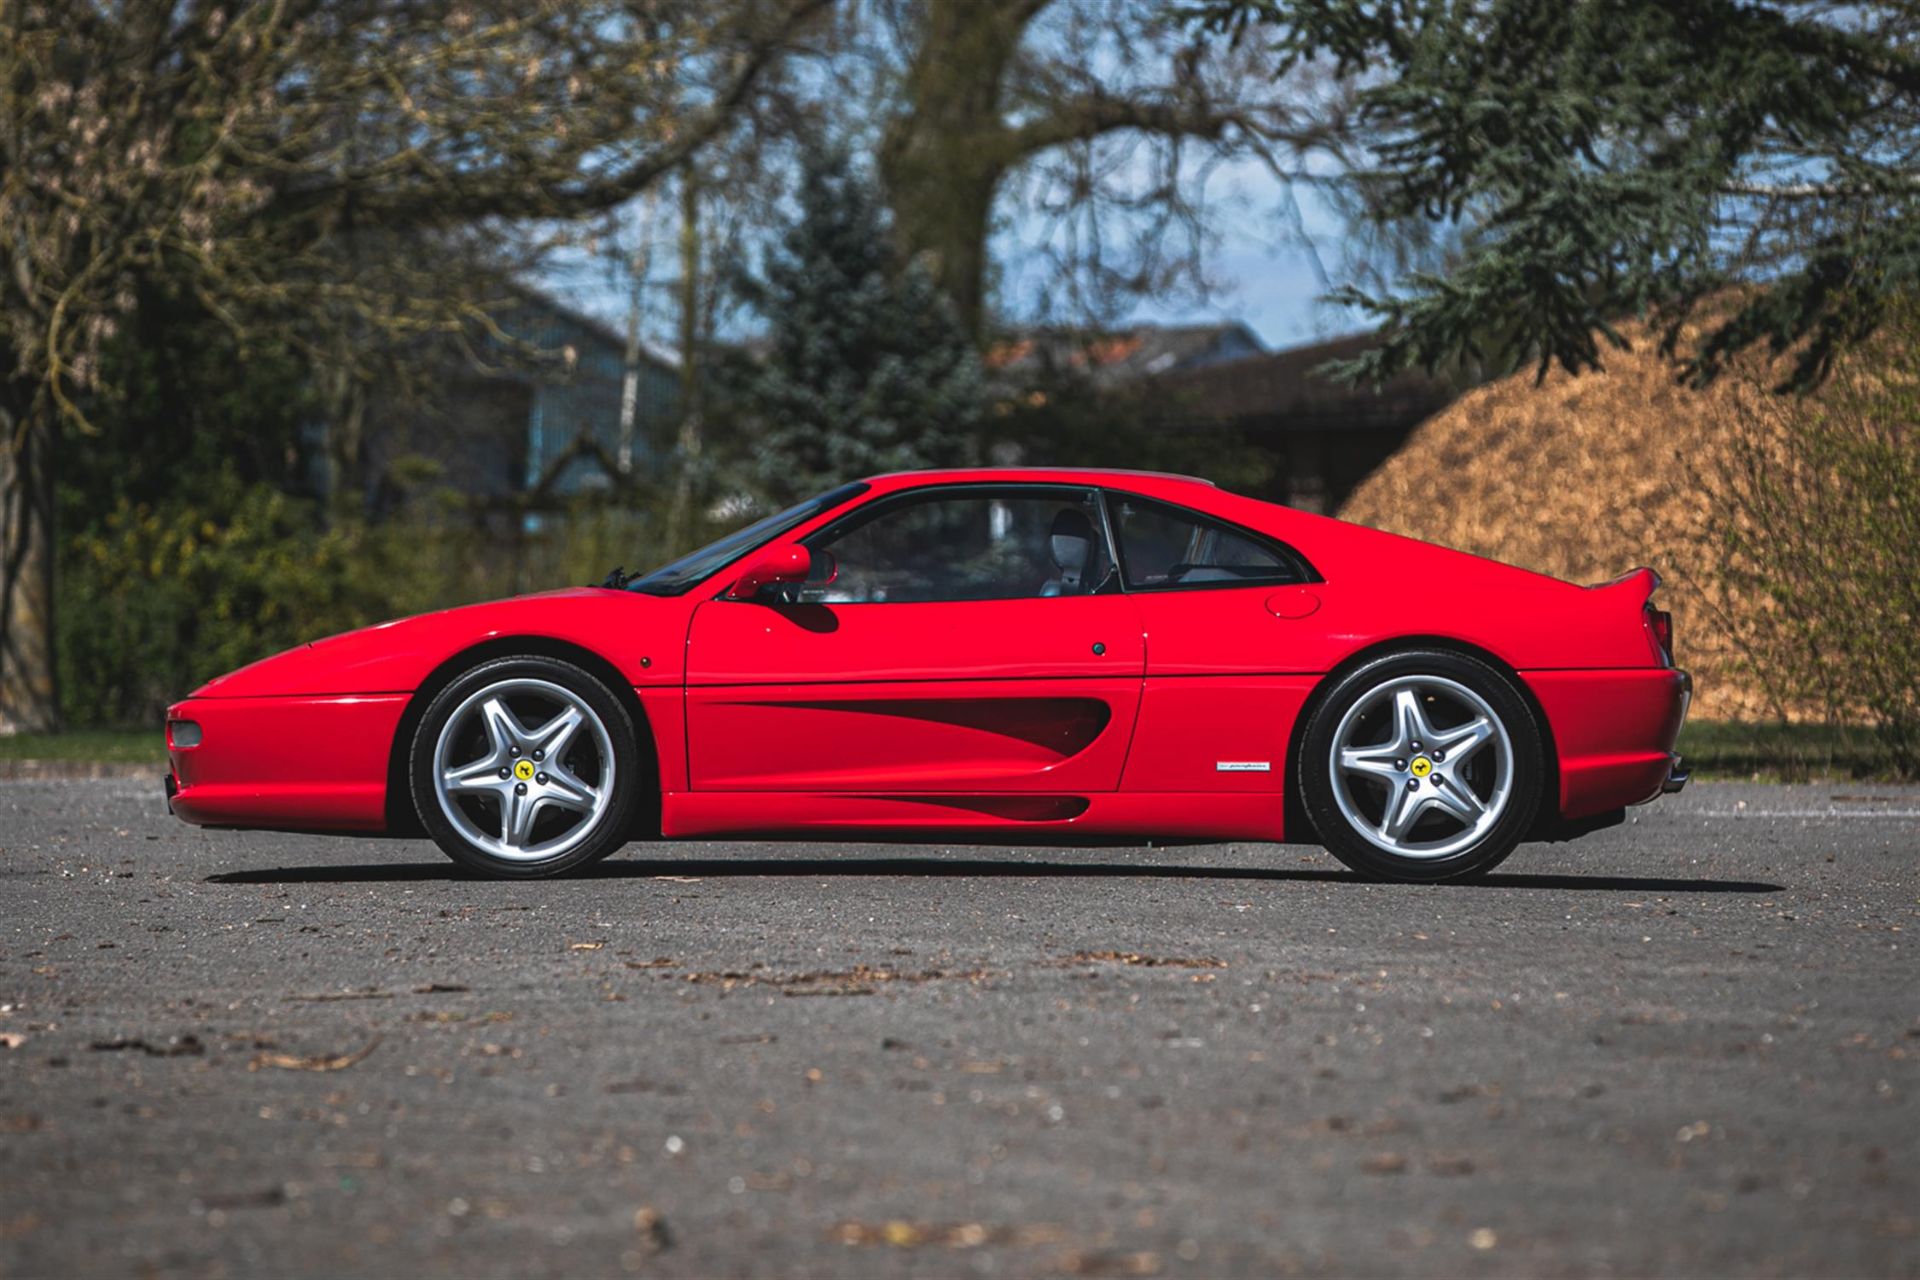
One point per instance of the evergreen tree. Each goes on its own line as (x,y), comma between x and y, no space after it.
(1607,158)
(870,370)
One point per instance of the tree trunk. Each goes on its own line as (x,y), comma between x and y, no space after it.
(28,695)
(680,511)
(944,156)
(638,263)
(940,212)
(346,429)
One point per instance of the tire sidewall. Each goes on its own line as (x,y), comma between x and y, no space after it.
(614,824)
(1516,716)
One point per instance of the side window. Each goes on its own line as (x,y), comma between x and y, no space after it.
(971,544)
(1164,547)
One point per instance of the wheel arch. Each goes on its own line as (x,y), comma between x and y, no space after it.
(401,818)
(1299,826)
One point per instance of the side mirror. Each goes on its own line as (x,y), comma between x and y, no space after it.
(777,566)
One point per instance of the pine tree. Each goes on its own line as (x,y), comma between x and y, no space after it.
(1602,159)
(870,370)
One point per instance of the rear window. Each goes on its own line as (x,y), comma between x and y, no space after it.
(1168,548)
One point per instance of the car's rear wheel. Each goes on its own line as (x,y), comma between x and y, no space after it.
(1422,765)
(525,767)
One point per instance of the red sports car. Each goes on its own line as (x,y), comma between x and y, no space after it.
(1033,654)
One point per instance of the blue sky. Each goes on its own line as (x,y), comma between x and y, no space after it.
(1272,289)
(1266,279)
(1264,276)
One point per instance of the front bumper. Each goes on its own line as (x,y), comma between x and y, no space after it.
(296,763)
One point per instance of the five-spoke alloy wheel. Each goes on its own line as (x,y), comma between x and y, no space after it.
(525,767)
(1422,765)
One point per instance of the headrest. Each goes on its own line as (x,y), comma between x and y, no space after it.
(1072,540)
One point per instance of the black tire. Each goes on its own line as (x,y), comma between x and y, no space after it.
(1338,827)
(607,828)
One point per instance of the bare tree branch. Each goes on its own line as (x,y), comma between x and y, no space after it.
(1093,115)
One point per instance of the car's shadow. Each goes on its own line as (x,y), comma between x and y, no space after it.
(734,868)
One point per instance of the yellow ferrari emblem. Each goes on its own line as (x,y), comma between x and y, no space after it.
(1421,767)
(523,770)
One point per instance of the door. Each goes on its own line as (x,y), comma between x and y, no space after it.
(1230,628)
(973,640)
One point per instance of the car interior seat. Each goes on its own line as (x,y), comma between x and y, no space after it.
(1071,543)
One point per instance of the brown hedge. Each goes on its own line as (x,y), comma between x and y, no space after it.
(1584,478)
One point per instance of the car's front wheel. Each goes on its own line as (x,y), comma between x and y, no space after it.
(1422,765)
(525,767)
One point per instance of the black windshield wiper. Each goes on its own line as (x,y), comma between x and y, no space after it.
(618,579)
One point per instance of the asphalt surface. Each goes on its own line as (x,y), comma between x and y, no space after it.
(1686,1046)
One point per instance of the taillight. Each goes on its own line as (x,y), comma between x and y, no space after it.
(1660,623)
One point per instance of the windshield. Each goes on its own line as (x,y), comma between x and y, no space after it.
(676,578)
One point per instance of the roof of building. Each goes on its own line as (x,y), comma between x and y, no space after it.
(1288,390)
(1123,354)
(592,325)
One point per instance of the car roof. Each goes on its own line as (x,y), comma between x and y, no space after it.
(897,480)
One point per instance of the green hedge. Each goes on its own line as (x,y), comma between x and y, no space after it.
(155,599)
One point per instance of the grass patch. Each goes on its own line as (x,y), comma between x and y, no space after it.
(1782,752)
(90,746)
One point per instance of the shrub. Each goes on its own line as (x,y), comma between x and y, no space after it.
(1816,522)
(158,598)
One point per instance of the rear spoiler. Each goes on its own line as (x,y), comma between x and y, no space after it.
(1638,584)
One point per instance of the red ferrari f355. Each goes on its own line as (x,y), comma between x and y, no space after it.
(1006,654)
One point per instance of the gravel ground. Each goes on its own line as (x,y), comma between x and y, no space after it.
(1685,1046)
